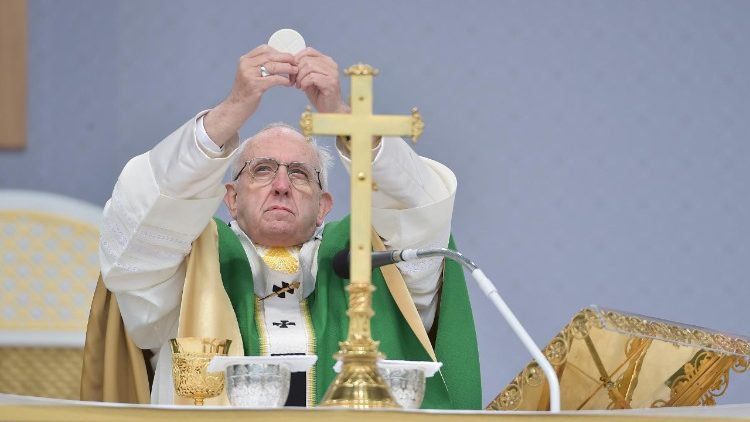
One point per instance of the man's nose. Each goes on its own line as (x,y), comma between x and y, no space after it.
(281,182)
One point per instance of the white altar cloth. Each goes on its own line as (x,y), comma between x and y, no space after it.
(729,411)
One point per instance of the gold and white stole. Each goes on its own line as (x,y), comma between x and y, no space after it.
(284,321)
(281,301)
(282,279)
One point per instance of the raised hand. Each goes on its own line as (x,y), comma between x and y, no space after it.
(318,77)
(257,72)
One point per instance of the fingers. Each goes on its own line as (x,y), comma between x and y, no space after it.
(318,75)
(298,67)
(277,80)
(251,78)
(274,61)
(269,53)
(315,73)
(309,52)
(257,71)
(312,80)
(278,69)
(305,71)
(311,62)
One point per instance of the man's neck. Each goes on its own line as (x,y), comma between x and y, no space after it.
(237,229)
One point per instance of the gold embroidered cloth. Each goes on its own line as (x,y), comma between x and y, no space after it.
(608,359)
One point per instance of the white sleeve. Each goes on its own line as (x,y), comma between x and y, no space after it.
(161,202)
(412,208)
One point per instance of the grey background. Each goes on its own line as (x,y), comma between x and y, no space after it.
(600,146)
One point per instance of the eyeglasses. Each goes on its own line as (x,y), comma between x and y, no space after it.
(263,170)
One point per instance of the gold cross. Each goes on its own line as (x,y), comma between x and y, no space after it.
(361,125)
(359,384)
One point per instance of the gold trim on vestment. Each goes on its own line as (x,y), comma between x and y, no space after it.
(205,310)
(260,322)
(397,286)
(311,350)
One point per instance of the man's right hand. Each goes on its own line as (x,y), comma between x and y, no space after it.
(223,122)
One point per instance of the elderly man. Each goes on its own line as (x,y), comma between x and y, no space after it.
(275,256)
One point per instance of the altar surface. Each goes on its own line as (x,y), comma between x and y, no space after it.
(22,408)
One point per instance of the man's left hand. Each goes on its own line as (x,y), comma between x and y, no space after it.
(318,76)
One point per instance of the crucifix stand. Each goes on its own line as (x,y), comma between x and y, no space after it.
(359,384)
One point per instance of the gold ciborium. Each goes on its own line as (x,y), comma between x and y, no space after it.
(190,358)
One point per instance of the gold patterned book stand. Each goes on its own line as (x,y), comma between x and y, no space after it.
(608,359)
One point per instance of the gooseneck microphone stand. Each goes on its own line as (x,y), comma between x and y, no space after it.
(490,291)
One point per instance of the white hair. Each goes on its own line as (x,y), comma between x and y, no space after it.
(324,157)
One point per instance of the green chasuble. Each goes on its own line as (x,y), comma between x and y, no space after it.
(456,386)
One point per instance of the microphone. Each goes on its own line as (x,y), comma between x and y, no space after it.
(341,268)
(341,261)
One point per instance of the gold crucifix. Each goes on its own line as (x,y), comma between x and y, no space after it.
(359,384)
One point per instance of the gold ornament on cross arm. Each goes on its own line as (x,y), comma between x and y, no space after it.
(361,69)
(417,126)
(305,122)
(359,384)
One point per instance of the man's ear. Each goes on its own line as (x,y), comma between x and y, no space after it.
(230,199)
(326,203)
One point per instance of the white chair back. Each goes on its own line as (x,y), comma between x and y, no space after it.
(48,271)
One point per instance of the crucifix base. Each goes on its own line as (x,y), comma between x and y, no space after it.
(359,384)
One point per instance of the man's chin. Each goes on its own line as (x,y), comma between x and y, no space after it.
(280,235)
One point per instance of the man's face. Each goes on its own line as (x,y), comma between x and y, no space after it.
(278,213)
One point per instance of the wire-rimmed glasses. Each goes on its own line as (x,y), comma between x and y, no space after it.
(263,170)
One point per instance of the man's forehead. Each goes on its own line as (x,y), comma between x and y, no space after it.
(280,140)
